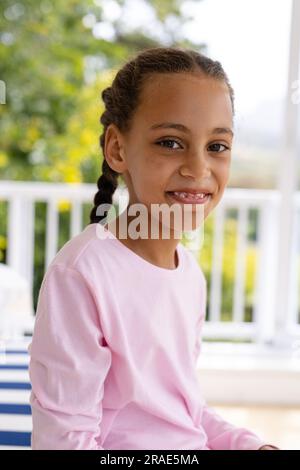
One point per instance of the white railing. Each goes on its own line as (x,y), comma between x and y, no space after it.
(22,196)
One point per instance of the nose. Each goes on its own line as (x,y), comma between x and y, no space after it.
(196,165)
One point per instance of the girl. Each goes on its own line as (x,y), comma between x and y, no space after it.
(117,331)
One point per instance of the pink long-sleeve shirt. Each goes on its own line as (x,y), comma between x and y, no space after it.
(114,350)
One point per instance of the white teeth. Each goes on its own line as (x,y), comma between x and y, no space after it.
(183,195)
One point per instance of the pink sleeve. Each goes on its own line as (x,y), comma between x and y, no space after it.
(69,361)
(221,434)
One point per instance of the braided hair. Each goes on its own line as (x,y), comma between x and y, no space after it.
(121,100)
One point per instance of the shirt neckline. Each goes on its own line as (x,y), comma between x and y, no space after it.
(144,263)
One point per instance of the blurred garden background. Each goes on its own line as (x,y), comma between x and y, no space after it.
(55,59)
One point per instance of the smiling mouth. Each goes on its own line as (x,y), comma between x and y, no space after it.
(189,198)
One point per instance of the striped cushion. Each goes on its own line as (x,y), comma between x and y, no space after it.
(15,410)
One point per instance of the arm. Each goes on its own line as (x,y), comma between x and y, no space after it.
(69,361)
(221,434)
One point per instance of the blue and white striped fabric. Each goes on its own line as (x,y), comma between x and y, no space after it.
(15,410)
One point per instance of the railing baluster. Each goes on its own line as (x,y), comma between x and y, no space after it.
(51,231)
(292,311)
(216,273)
(21,236)
(76,218)
(265,279)
(240,266)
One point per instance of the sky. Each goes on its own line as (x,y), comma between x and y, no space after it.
(251,40)
(249,37)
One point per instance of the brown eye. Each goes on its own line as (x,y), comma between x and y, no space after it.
(169,141)
(218,144)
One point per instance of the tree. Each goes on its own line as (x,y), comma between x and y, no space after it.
(55,60)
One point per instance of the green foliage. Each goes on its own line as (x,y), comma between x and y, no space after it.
(54,69)
(50,123)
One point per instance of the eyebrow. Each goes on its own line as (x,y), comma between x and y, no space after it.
(181,127)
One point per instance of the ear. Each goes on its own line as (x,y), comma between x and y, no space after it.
(114,149)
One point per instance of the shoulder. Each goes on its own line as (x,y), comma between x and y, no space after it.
(192,262)
(84,253)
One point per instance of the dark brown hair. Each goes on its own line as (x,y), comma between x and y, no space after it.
(121,99)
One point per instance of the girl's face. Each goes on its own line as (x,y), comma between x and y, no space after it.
(159,157)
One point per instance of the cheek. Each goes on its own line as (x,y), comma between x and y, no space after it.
(153,174)
(221,170)
(148,184)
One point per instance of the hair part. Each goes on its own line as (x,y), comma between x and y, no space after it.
(122,97)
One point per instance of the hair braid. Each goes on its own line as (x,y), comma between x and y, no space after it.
(107,184)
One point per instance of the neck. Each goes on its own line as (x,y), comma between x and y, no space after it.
(159,251)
